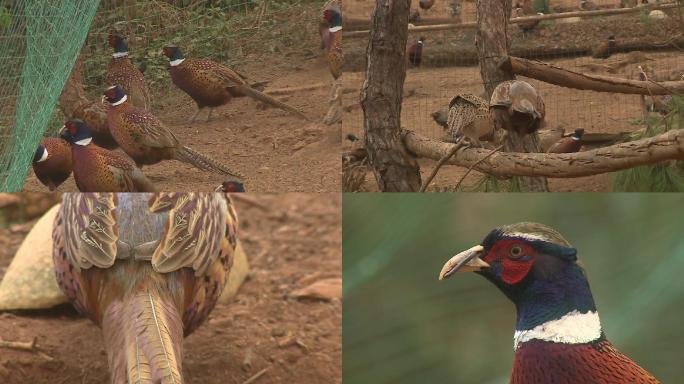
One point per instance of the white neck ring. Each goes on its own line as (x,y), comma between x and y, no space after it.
(123,100)
(573,328)
(117,55)
(176,62)
(84,142)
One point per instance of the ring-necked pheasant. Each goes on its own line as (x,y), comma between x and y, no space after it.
(332,38)
(558,336)
(148,269)
(415,52)
(426,4)
(123,73)
(588,5)
(212,85)
(605,49)
(75,104)
(516,105)
(231,186)
(469,117)
(52,162)
(100,170)
(570,144)
(147,140)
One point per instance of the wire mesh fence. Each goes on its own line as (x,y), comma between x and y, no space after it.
(646,39)
(41,40)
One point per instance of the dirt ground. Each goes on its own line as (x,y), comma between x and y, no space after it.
(274,150)
(291,240)
(431,87)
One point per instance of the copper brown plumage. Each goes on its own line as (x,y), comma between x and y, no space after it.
(415,52)
(212,85)
(52,162)
(605,49)
(100,170)
(75,104)
(148,141)
(426,4)
(469,117)
(570,144)
(123,73)
(148,269)
(516,105)
(332,39)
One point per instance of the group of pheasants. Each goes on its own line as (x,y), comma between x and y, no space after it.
(92,133)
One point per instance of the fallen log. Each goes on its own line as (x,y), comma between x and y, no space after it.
(664,147)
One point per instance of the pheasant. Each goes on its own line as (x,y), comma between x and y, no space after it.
(211,84)
(332,38)
(74,103)
(605,49)
(52,162)
(469,117)
(516,105)
(231,186)
(426,4)
(147,140)
(100,170)
(123,73)
(146,268)
(558,336)
(588,5)
(526,9)
(570,144)
(415,52)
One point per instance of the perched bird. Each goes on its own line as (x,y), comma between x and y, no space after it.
(146,268)
(147,140)
(231,186)
(558,336)
(605,49)
(587,5)
(100,170)
(469,117)
(75,104)
(212,85)
(123,73)
(52,162)
(516,105)
(333,40)
(426,4)
(549,137)
(415,52)
(570,144)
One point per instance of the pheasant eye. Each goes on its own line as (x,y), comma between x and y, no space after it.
(516,251)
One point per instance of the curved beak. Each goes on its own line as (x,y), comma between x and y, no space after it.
(466,261)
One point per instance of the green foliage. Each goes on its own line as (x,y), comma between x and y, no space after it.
(5,18)
(663,177)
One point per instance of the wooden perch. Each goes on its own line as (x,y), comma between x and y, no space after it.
(664,147)
(515,20)
(565,78)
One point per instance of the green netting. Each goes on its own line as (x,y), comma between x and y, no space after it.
(41,40)
(38,46)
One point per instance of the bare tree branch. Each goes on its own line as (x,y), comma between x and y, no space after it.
(667,146)
(565,78)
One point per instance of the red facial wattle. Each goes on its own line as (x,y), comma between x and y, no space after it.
(513,268)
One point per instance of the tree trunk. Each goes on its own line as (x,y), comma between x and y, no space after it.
(493,45)
(381,97)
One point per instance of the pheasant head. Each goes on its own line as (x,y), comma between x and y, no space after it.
(119,44)
(115,95)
